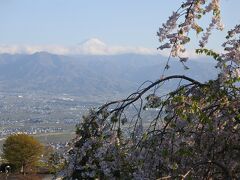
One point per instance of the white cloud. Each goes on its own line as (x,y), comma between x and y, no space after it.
(30,49)
(90,47)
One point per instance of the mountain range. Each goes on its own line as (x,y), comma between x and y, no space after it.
(90,75)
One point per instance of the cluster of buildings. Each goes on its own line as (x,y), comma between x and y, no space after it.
(59,146)
(31,131)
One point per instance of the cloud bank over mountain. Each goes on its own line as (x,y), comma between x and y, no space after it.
(92,46)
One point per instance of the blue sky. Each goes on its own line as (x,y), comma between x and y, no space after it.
(131,23)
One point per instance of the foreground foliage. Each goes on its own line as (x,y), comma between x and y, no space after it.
(191,132)
(22,151)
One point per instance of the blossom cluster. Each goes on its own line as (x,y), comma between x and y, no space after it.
(229,61)
(174,33)
(216,21)
(96,151)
